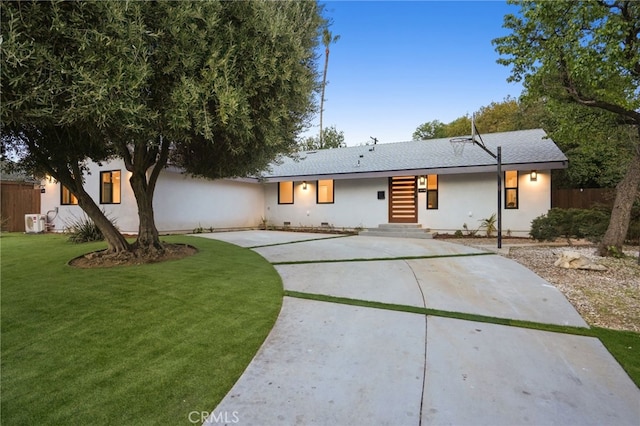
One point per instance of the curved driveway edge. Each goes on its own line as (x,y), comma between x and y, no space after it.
(327,363)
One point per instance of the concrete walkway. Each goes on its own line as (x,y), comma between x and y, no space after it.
(338,364)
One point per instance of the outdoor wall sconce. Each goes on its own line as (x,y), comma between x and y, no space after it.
(422,182)
(534,176)
(304,185)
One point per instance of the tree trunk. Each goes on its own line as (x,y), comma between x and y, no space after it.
(148,237)
(627,191)
(116,242)
(324,85)
(70,174)
(146,158)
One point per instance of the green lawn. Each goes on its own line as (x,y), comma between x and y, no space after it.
(130,345)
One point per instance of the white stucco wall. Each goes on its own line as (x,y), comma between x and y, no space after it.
(466,198)
(125,213)
(355,205)
(471,198)
(181,204)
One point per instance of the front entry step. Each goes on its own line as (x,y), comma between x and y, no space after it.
(398,230)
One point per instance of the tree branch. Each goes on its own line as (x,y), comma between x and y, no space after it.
(574,92)
(126,155)
(162,161)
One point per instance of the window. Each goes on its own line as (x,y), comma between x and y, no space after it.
(432,192)
(324,191)
(66,197)
(285,192)
(110,187)
(511,189)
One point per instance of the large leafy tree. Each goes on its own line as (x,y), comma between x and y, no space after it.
(67,72)
(505,116)
(333,138)
(586,53)
(217,88)
(599,148)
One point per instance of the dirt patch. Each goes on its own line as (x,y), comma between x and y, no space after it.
(609,299)
(102,259)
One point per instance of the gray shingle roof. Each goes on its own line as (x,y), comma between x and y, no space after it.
(520,150)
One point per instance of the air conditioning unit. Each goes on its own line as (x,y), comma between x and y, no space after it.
(34,223)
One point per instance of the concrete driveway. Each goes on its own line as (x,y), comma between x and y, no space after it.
(342,364)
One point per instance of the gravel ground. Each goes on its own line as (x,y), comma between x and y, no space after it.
(608,298)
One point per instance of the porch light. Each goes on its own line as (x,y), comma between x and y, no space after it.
(422,182)
(534,176)
(304,185)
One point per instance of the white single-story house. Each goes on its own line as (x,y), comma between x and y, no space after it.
(420,182)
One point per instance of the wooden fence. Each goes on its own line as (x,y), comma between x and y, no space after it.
(17,199)
(582,198)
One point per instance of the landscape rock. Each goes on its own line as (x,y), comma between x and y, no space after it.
(575,260)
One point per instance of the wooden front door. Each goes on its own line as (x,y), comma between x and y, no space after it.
(403,206)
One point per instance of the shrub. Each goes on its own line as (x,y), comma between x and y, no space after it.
(84,230)
(590,223)
(570,223)
(469,232)
(489,225)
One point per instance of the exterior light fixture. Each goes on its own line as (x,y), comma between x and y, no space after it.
(534,176)
(422,183)
(304,185)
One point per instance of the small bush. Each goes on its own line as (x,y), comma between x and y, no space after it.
(84,230)
(458,234)
(469,232)
(570,223)
(489,225)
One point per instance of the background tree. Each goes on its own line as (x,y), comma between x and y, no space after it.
(508,115)
(430,130)
(327,40)
(461,126)
(218,88)
(333,138)
(599,148)
(587,53)
(499,116)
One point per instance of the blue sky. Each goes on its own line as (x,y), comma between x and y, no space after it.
(401,63)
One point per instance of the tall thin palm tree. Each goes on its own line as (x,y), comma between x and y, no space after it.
(327,39)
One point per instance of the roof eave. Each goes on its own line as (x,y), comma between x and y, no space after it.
(487,168)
